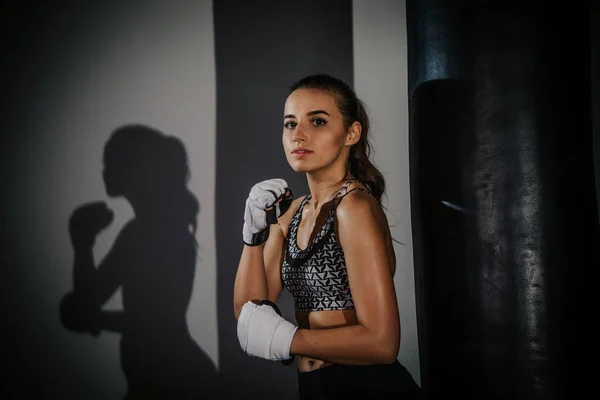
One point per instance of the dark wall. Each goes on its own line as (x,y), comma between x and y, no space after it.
(261,49)
(595,86)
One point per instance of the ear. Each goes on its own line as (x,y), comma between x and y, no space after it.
(354,133)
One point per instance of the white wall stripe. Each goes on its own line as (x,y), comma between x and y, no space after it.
(381,80)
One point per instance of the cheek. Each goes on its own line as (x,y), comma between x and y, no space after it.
(286,140)
(331,141)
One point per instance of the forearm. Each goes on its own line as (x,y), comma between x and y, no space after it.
(352,345)
(251,279)
(84,271)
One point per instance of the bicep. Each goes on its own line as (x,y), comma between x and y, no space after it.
(273,256)
(362,235)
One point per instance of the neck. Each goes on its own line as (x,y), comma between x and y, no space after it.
(139,206)
(150,208)
(323,185)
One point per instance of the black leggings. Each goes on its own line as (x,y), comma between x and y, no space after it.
(339,381)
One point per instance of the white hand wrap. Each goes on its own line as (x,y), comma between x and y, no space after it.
(263,333)
(263,195)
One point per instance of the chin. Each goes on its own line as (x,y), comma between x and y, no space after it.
(113,194)
(112,191)
(300,167)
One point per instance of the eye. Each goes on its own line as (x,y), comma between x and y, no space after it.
(319,121)
(289,125)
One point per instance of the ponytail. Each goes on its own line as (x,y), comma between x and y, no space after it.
(360,164)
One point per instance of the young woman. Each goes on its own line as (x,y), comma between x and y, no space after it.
(331,249)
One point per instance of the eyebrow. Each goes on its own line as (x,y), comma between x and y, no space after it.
(310,113)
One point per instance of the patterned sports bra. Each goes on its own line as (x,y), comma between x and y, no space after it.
(316,276)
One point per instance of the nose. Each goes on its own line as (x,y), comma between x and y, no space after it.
(298,135)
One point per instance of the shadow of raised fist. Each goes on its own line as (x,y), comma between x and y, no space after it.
(87,221)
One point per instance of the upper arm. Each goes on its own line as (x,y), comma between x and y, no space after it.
(363,235)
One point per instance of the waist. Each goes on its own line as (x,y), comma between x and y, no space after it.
(322,320)
(326,319)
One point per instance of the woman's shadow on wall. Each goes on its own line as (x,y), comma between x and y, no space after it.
(152,260)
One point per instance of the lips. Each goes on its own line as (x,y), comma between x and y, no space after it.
(301,150)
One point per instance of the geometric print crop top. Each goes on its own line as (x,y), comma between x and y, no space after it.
(316,277)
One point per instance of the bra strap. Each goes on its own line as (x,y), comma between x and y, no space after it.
(339,196)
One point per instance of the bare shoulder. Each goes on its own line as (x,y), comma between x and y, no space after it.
(358,213)
(362,226)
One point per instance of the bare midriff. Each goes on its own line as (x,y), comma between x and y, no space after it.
(322,320)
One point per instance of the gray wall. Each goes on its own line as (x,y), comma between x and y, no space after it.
(259,53)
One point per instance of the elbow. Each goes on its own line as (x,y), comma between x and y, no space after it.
(390,354)
(387,349)
(237,309)
(387,354)
(238,305)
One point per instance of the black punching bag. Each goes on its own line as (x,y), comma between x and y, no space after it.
(502,188)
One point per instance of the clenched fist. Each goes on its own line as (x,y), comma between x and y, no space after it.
(267,201)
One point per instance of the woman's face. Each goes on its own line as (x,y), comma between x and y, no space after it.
(314,136)
(113,181)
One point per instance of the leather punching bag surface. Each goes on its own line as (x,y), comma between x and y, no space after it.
(504,204)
